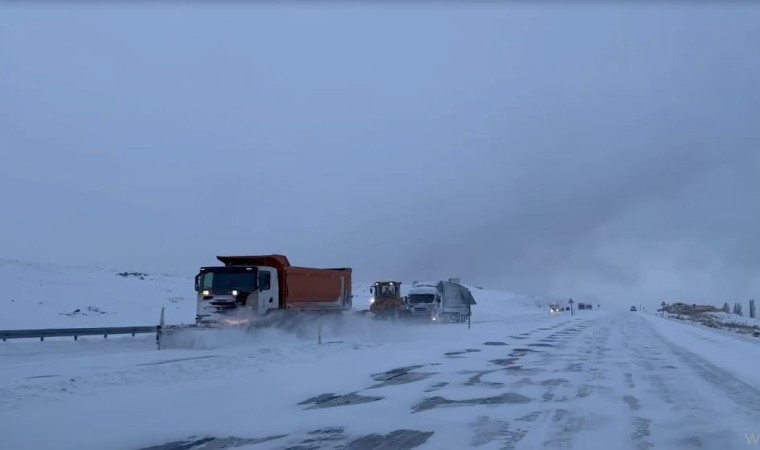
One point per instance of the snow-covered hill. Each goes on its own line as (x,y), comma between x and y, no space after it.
(40,295)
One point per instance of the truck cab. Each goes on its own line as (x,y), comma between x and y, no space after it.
(386,298)
(230,293)
(422,301)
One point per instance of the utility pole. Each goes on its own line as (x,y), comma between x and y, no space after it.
(572,311)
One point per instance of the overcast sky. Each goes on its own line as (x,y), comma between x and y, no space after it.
(605,151)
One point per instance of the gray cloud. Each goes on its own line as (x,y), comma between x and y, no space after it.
(601,151)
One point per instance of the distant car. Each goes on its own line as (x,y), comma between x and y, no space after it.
(633,308)
(554,308)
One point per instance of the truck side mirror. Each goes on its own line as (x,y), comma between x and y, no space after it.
(371,290)
(197,282)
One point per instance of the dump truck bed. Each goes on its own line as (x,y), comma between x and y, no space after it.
(303,287)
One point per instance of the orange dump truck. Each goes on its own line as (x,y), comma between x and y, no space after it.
(245,286)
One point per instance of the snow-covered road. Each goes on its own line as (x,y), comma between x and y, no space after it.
(594,381)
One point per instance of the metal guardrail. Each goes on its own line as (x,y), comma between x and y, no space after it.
(42,333)
(75,332)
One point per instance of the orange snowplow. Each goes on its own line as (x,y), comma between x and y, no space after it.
(386,301)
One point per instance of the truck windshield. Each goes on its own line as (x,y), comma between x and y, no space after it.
(224,282)
(386,291)
(421,298)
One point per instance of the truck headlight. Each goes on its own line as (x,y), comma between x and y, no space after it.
(206,293)
(235,292)
(371,301)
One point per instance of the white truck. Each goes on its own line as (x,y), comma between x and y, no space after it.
(442,302)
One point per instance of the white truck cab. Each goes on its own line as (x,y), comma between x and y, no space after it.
(422,300)
(234,293)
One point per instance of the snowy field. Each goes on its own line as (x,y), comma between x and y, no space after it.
(520,378)
(38,295)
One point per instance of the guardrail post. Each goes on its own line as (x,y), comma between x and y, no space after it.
(159,330)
